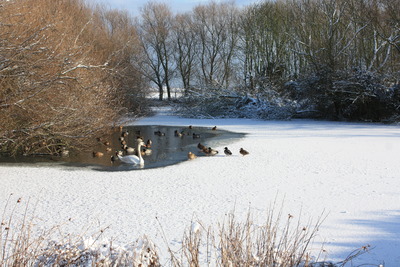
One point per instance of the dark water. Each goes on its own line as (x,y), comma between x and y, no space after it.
(165,150)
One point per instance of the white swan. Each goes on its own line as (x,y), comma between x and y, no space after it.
(133,159)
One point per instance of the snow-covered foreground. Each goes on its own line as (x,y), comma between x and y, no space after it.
(349,171)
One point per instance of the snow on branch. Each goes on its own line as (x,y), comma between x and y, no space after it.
(81,66)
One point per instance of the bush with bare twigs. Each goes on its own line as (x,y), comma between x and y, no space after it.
(64,74)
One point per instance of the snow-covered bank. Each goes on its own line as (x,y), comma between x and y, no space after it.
(348,170)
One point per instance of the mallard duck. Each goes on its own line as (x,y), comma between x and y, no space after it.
(130,150)
(149,143)
(97,154)
(133,159)
(210,152)
(200,146)
(227,151)
(177,133)
(195,136)
(243,152)
(146,152)
(191,155)
(64,152)
(159,133)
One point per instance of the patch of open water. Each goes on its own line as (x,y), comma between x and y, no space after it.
(166,149)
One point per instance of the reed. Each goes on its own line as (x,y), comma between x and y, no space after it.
(280,240)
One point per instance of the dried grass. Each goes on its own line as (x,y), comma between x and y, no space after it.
(279,241)
(24,243)
(276,242)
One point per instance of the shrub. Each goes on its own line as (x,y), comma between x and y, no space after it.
(230,104)
(64,77)
(357,95)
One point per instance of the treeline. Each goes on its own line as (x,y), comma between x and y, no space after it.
(336,59)
(65,74)
(67,70)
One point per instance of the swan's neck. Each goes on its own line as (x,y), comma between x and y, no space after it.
(141,161)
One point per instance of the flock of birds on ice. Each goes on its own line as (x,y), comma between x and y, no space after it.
(131,155)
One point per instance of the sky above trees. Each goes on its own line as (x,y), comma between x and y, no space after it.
(133,6)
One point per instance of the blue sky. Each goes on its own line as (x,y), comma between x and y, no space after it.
(133,6)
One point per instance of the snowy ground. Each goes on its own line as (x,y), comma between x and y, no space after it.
(350,171)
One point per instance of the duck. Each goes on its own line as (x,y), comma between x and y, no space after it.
(124,134)
(129,150)
(108,149)
(195,136)
(227,152)
(146,152)
(149,143)
(133,159)
(243,152)
(113,159)
(210,152)
(177,133)
(121,138)
(159,133)
(97,154)
(200,146)
(64,152)
(191,155)
(214,128)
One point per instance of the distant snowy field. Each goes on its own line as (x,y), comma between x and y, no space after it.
(349,171)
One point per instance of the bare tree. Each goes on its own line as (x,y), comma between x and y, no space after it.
(215,26)
(155,33)
(186,48)
(265,44)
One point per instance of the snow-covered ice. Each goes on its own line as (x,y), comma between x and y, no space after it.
(348,171)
